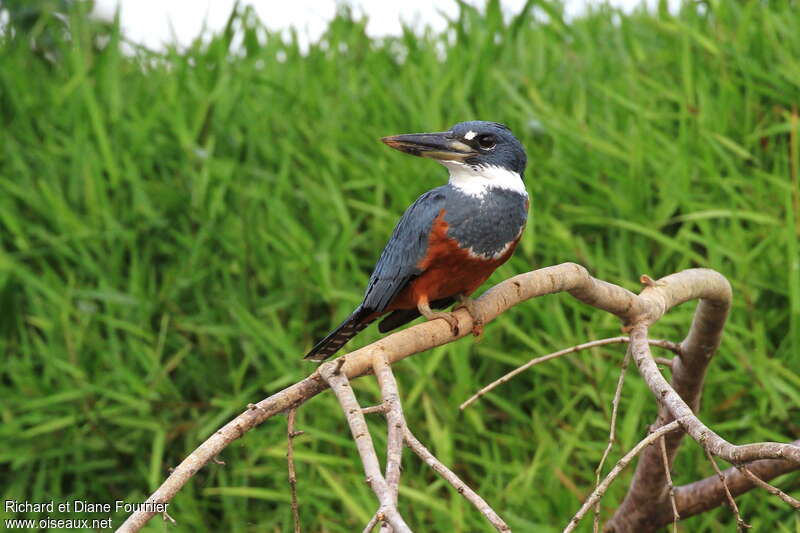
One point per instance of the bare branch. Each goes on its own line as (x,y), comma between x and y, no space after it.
(775,491)
(211,448)
(664,361)
(394,421)
(601,489)
(340,386)
(374,409)
(448,475)
(693,426)
(565,277)
(688,372)
(646,493)
(675,515)
(700,496)
(674,347)
(612,431)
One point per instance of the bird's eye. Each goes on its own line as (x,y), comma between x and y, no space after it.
(487,141)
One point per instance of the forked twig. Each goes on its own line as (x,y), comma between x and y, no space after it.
(340,386)
(398,433)
(702,495)
(601,489)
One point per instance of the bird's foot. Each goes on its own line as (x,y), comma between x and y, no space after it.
(447,317)
(470,305)
(425,311)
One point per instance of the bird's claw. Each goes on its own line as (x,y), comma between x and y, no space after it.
(447,317)
(477,318)
(452,320)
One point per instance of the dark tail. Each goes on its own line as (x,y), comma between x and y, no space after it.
(404,316)
(352,325)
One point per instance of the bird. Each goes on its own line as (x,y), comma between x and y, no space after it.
(451,239)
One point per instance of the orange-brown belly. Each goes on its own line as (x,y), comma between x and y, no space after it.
(447,270)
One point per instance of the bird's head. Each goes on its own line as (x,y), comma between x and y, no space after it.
(474,145)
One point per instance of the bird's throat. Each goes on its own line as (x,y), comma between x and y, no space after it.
(478,181)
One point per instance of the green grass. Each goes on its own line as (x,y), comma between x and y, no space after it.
(178,228)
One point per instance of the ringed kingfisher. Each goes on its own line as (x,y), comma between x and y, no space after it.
(451,239)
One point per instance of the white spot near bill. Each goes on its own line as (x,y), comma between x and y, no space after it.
(470,135)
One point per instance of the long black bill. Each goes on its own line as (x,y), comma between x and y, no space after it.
(432,145)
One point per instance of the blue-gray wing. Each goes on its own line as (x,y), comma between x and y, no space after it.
(397,265)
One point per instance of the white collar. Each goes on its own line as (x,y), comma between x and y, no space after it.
(476,181)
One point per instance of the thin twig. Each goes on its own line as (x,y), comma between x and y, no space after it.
(340,386)
(741,525)
(600,490)
(372,409)
(611,432)
(670,486)
(291,434)
(667,345)
(448,475)
(775,491)
(664,361)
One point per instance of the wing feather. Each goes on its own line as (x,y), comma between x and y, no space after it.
(407,246)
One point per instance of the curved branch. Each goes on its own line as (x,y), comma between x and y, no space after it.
(601,488)
(678,408)
(646,499)
(255,414)
(636,311)
(706,494)
(565,277)
(358,427)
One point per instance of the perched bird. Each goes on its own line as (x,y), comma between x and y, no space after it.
(452,237)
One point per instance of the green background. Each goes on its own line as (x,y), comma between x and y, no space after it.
(179,227)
